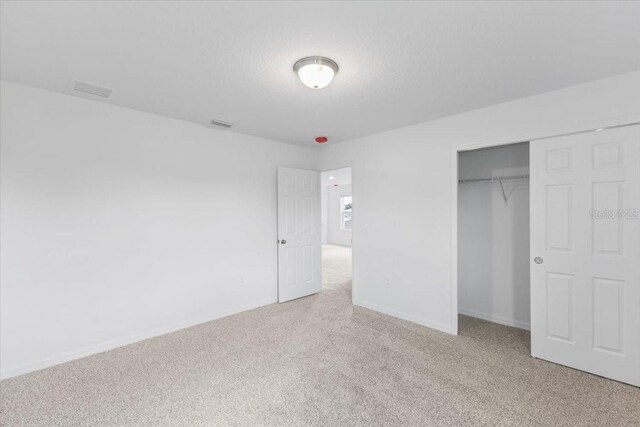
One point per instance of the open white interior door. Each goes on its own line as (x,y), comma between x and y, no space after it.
(585,245)
(299,246)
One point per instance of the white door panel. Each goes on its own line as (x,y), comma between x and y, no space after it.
(299,244)
(585,296)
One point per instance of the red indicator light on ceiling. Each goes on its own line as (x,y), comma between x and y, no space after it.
(321,139)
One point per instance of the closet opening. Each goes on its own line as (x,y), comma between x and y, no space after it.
(336,218)
(493,232)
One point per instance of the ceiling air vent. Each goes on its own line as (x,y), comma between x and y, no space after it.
(92,89)
(221,123)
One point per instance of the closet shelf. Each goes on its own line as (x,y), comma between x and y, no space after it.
(495,179)
(499,179)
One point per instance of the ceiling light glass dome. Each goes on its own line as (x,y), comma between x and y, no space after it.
(316,72)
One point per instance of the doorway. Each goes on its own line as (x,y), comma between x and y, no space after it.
(493,237)
(336,202)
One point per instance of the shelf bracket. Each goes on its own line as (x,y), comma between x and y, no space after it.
(505,196)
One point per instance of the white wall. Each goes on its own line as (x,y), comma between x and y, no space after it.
(493,236)
(119,225)
(335,234)
(404,184)
(324,214)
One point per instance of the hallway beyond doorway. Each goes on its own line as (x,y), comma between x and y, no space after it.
(336,268)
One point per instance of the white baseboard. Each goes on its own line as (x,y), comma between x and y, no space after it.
(495,319)
(120,342)
(419,320)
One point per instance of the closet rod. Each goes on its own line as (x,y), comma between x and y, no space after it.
(495,178)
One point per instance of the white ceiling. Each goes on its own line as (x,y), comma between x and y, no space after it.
(340,177)
(400,63)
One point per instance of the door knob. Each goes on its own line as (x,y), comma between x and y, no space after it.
(283,242)
(538,260)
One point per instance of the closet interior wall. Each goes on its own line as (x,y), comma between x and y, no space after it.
(493,235)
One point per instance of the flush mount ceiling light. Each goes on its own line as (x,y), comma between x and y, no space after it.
(315,72)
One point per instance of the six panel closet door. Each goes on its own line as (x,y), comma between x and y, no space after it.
(585,250)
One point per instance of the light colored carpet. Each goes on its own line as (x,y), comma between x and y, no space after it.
(319,361)
(336,269)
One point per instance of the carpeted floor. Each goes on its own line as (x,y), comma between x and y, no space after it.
(319,361)
(336,269)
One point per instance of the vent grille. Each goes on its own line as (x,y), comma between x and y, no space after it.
(221,123)
(92,89)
